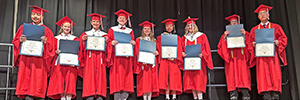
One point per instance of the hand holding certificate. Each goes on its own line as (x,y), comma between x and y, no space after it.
(192,61)
(146,50)
(265,46)
(168,46)
(123,48)
(235,39)
(69,52)
(33,45)
(96,43)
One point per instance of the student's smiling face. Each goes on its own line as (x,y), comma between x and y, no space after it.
(36,18)
(147,31)
(95,24)
(169,28)
(66,28)
(122,20)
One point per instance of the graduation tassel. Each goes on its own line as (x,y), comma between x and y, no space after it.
(71,27)
(129,22)
(174,29)
(239,19)
(42,17)
(232,53)
(90,54)
(152,29)
(101,23)
(242,51)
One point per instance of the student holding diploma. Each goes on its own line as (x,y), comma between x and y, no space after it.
(169,71)
(236,59)
(146,68)
(194,81)
(268,69)
(121,42)
(32,74)
(92,64)
(63,77)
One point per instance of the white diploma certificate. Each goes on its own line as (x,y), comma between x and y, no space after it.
(146,57)
(265,49)
(32,48)
(168,52)
(68,59)
(124,49)
(192,63)
(95,43)
(235,42)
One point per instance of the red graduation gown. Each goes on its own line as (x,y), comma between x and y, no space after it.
(170,70)
(120,74)
(32,74)
(92,70)
(236,64)
(147,76)
(62,77)
(268,69)
(197,79)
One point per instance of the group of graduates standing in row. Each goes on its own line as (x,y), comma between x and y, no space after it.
(162,78)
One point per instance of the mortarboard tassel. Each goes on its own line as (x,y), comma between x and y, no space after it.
(101,23)
(174,29)
(239,19)
(42,17)
(129,22)
(152,29)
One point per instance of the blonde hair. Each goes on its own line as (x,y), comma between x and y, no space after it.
(143,35)
(61,30)
(195,29)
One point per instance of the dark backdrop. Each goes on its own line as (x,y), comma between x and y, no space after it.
(211,14)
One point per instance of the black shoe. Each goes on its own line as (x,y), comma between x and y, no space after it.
(275,95)
(267,96)
(233,95)
(174,99)
(167,99)
(246,95)
(28,98)
(246,98)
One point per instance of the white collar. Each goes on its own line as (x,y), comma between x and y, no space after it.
(65,37)
(93,30)
(264,23)
(37,24)
(195,36)
(119,26)
(63,34)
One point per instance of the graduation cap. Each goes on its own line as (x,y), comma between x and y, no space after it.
(190,20)
(147,24)
(170,22)
(124,13)
(66,19)
(96,16)
(263,8)
(233,17)
(38,10)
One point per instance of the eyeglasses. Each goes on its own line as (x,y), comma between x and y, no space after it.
(262,13)
(233,21)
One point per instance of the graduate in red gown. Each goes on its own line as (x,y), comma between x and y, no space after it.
(169,71)
(32,74)
(194,81)
(121,74)
(147,74)
(268,69)
(92,66)
(62,83)
(237,70)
